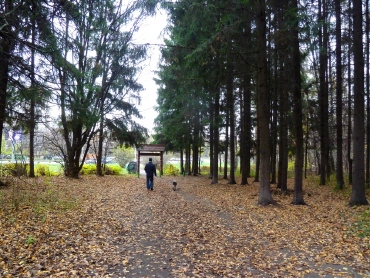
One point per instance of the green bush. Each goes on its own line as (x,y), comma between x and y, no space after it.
(113,170)
(88,169)
(42,170)
(14,169)
(170,170)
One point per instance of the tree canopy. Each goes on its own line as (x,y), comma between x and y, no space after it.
(257,79)
(77,56)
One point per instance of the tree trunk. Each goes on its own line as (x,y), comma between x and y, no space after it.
(263,107)
(99,156)
(216,137)
(297,108)
(367,30)
(231,110)
(274,121)
(283,88)
(72,129)
(211,140)
(227,140)
(245,140)
(283,131)
(358,196)
(6,46)
(196,144)
(257,154)
(323,93)
(241,138)
(182,162)
(339,95)
(307,136)
(188,159)
(245,156)
(32,120)
(232,149)
(349,130)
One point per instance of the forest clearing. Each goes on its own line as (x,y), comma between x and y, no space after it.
(113,227)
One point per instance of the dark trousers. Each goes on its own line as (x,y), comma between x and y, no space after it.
(149,182)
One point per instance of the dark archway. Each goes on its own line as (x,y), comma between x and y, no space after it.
(151,150)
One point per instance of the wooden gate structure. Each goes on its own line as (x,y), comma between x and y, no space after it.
(151,150)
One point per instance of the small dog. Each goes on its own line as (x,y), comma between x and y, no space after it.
(174,183)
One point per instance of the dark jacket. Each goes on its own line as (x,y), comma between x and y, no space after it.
(150,169)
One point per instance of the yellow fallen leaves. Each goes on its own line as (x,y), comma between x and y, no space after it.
(117,228)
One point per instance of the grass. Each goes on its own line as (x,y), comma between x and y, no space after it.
(30,240)
(362,226)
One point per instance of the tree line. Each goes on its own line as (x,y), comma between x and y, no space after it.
(270,80)
(77,56)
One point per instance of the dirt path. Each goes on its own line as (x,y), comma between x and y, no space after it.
(174,234)
(180,234)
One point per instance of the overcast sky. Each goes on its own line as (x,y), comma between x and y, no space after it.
(151,32)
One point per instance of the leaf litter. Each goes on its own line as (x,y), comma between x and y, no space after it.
(114,227)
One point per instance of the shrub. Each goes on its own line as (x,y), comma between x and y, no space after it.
(14,169)
(88,169)
(170,170)
(42,170)
(113,170)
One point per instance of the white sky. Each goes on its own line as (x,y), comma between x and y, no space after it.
(151,32)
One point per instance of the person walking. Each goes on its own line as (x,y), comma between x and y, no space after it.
(150,173)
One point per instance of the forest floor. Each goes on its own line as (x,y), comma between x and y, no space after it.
(113,226)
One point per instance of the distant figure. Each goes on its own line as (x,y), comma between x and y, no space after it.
(174,183)
(150,173)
